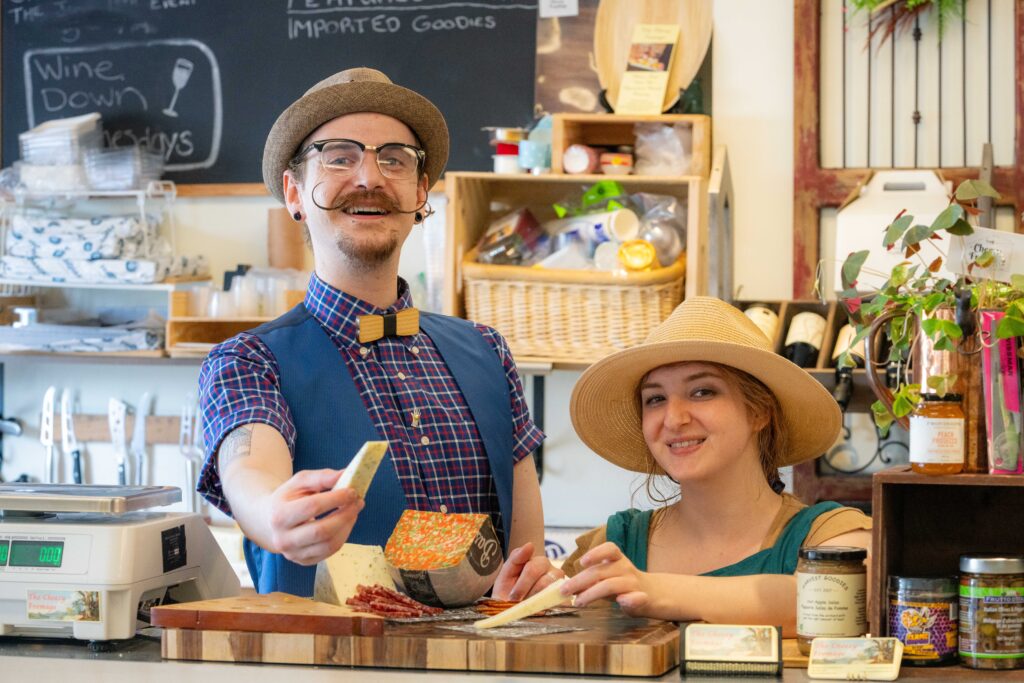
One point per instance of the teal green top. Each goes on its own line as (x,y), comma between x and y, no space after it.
(629,529)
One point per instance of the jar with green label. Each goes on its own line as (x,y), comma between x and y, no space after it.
(992,611)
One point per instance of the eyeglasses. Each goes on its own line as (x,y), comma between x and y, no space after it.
(394,159)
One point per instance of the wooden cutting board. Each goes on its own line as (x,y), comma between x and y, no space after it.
(613,35)
(275,612)
(611,644)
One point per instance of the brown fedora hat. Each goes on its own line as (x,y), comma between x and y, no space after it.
(349,92)
(605,407)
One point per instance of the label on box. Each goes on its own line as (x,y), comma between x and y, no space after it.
(45,605)
(871,659)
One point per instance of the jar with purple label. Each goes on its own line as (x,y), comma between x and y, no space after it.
(923,616)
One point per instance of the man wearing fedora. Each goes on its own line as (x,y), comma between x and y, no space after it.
(288,404)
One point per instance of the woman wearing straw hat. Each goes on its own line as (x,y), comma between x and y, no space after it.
(707,403)
(286,406)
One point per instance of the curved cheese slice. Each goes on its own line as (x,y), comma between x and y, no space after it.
(545,599)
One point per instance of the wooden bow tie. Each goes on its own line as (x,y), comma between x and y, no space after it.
(373,327)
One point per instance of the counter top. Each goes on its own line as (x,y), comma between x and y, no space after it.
(39,660)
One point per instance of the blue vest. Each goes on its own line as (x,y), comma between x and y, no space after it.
(332,423)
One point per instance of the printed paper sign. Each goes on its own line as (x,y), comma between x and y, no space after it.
(558,8)
(647,67)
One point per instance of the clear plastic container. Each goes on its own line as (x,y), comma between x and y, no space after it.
(61,142)
(122,168)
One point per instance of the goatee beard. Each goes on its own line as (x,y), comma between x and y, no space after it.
(363,257)
(366,257)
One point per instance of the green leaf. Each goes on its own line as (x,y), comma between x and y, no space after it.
(936,328)
(900,274)
(1017,280)
(916,234)
(1010,326)
(985,258)
(883,418)
(970,190)
(949,216)
(942,384)
(901,406)
(896,230)
(851,267)
(961,227)
(933,301)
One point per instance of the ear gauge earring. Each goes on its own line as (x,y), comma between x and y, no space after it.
(418,217)
(425,214)
(297,215)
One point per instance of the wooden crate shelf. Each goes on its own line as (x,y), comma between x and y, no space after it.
(924,523)
(612,130)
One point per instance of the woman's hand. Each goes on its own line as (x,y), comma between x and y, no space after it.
(608,573)
(522,575)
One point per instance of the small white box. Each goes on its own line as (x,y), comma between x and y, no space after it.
(861,223)
(1007,249)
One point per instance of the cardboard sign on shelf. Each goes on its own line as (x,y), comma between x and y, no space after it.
(647,69)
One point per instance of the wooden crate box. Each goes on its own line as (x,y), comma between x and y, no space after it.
(922,524)
(612,130)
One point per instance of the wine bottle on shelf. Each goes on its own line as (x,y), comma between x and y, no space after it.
(855,353)
(843,391)
(803,339)
(765,318)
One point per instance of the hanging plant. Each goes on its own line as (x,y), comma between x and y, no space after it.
(903,14)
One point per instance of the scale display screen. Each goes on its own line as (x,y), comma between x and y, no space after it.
(36,553)
(5,547)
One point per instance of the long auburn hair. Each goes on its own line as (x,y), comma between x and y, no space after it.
(772,439)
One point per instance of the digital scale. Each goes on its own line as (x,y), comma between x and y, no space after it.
(89,562)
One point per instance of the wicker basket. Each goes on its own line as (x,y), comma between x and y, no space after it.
(569,315)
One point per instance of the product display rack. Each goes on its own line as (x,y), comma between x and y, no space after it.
(474,198)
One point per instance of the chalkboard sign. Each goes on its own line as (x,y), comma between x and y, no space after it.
(202,81)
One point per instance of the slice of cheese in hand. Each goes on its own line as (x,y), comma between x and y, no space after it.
(360,471)
(545,599)
(338,576)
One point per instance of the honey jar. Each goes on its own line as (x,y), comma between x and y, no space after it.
(831,594)
(937,435)
(923,616)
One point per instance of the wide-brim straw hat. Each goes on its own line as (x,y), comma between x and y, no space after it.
(349,92)
(605,405)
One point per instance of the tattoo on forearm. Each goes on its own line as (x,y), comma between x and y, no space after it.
(237,444)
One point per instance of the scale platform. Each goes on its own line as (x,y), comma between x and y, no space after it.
(89,562)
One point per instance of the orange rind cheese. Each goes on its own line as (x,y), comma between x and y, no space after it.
(444,560)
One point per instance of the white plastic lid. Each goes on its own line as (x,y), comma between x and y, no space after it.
(74,125)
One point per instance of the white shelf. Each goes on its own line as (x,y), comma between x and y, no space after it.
(145,287)
(156,189)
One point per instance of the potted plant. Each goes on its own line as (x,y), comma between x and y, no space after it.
(915,291)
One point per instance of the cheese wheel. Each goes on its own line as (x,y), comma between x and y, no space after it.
(444,560)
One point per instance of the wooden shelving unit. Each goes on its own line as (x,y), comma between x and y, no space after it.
(475,199)
(924,523)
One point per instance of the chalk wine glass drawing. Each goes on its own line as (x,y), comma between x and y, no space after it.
(179,76)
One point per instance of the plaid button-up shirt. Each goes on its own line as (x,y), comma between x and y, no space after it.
(406,387)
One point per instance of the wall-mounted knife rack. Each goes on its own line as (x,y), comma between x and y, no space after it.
(160,429)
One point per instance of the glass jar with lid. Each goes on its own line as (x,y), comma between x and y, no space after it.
(923,616)
(831,594)
(992,611)
(937,435)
